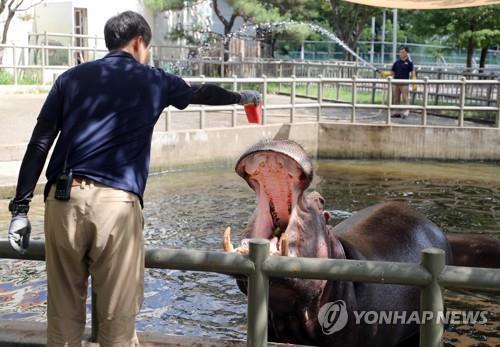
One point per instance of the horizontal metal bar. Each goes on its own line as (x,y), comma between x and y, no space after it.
(313,268)
(350,270)
(193,260)
(470,278)
(175,259)
(36,251)
(65,48)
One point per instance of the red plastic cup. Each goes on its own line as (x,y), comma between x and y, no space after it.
(254,113)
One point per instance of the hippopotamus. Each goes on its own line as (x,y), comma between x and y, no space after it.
(297,225)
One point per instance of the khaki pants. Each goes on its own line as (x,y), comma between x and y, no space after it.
(97,232)
(400,96)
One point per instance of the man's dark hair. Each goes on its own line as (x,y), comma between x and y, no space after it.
(122,28)
(405,48)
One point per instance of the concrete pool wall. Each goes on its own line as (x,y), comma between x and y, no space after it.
(202,147)
(328,140)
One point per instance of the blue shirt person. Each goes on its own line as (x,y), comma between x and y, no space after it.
(103,113)
(402,69)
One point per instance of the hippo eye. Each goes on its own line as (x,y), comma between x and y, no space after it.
(322,201)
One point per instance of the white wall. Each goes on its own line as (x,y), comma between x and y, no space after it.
(57,16)
(54,17)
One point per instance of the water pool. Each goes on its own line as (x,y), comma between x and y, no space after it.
(191,209)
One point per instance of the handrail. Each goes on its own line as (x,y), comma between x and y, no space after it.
(431,276)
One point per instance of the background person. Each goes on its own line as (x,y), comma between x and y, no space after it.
(402,69)
(104,113)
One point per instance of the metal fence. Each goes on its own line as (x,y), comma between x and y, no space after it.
(431,275)
(47,60)
(426,91)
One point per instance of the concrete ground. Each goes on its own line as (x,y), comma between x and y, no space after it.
(14,333)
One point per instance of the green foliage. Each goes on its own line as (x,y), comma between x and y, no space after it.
(458,26)
(255,11)
(164,5)
(6,78)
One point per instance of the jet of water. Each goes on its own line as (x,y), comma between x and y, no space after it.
(290,24)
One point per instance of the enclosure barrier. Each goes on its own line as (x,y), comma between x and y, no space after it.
(493,87)
(431,275)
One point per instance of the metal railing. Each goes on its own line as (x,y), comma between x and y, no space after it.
(431,275)
(353,84)
(48,56)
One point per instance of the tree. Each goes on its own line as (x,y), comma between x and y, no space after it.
(476,27)
(13,6)
(251,11)
(348,20)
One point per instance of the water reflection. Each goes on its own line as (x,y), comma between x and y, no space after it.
(191,210)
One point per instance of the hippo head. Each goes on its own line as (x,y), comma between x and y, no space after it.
(296,225)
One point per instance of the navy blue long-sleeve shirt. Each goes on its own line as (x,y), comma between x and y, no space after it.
(105,112)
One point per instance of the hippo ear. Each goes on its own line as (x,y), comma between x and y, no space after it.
(327,216)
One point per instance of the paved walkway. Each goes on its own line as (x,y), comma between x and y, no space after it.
(18,114)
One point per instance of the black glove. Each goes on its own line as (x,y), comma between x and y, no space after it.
(19,228)
(250,97)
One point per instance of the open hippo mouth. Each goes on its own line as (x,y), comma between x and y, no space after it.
(278,172)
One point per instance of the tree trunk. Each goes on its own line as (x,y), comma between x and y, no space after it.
(227,44)
(470,52)
(6,26)
(482,60)
(5,31)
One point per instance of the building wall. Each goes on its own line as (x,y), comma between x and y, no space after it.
(57,16)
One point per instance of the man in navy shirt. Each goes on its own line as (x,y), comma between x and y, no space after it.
(401,70)
(104,113)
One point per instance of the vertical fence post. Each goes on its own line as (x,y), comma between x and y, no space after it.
(14,62)
(94,320)
(462,102)
(320,97)
(354,98)
(168,119)
(425,101)
(431,299)
(95,47)
(439,76)
(46,43)
(202,112)
(497,121)
(43,63)
(258,295)
(292,98)
(234,118)
(490,90)
(374,87)
(389,100)
(264,99)
(308,76)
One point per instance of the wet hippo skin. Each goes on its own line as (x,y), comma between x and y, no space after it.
(297,225)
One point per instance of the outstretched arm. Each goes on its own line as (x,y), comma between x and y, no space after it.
(211,94)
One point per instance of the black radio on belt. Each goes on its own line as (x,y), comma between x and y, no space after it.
(64,182)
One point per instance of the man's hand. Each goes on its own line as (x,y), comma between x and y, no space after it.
(19,229)
(250,97)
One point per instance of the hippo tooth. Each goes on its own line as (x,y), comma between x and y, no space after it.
(228,246)
(242,250)
(284,245)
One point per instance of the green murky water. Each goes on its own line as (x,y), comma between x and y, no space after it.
(191,209)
